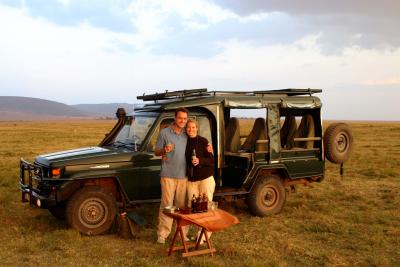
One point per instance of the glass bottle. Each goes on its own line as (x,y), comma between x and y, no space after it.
(192,166)
(198,204)
(205,200)
(193,203)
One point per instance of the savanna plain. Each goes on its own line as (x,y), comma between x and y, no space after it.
(343,221)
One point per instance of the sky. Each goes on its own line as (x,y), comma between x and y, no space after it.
(81,51)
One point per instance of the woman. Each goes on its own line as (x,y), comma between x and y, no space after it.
(200,165)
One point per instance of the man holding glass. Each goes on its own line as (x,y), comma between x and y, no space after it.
(171,145)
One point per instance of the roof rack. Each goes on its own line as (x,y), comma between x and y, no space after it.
(291,91)
(174,94)
(190,93)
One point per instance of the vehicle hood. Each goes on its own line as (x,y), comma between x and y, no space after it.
(87,155)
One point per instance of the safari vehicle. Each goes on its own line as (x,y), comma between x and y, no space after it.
(285,147)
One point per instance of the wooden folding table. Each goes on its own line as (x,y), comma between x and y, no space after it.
(210,221)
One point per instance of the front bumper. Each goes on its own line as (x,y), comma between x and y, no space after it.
(30,182)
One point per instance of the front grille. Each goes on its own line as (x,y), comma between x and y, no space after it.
(32,175)
(40,171)
(32,181)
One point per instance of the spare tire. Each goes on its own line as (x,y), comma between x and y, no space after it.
(338,142)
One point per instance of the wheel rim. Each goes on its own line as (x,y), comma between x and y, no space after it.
(342,141)
(269,196)
(93,212)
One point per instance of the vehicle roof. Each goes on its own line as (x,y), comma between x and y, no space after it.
(287,98)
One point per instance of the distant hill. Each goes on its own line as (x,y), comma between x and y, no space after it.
(103,110)
(28,108)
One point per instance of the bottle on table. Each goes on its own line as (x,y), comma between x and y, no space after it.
(204,202)
(193,203)
(198,204)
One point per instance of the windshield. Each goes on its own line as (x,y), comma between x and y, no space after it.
(134,131)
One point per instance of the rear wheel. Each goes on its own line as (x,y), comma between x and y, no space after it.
(267,197)
(91,210)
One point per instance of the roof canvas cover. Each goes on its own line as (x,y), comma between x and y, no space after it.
(262,102)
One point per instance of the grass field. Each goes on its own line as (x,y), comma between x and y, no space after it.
(350,221)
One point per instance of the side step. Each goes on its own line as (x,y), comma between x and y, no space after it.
(220,192)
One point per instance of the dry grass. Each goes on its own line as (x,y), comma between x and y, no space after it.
(338,222)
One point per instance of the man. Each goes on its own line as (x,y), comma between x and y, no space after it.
(171,145)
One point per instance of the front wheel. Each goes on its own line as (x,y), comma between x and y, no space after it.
(91,210)
(267,197)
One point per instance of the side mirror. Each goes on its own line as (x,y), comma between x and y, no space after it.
(120,113)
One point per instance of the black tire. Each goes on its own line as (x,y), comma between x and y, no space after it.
(91,210)
(338,142)
(267,197)
(58,211)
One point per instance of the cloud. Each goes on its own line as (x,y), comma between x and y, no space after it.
(155,25)
(64,2)
(389,81)
(382,8)
(106,14)
(157,20)
(339,21)
(149,22)
(85,63)
(367,23)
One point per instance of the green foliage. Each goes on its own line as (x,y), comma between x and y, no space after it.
(349,221)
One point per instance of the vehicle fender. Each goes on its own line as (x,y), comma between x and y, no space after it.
(110,184)
(265,170)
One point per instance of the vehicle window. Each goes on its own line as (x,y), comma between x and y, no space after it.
(164,123)
(167,122)
(134,131)
(295,125)
(204,127)
(246,119)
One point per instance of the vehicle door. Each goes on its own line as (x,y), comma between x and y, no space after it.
(147,165)
(301,142)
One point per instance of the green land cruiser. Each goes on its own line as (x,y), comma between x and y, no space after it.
(285,147)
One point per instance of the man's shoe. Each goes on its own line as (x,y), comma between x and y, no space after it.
(161,240)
